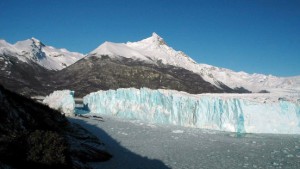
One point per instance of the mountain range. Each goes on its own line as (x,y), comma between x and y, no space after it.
(32,68)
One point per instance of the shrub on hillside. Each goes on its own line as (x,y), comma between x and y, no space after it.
(47,147)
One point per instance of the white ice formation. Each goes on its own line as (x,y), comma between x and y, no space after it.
(62,100)
(242,113)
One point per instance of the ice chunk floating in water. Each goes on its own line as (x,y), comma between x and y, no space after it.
(62,100)
(223,112)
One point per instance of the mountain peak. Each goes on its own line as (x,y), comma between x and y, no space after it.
(28,44)
(37,42)
(5,47)
(155,38)
(155,35)
(34,39)
(46,56)
(3,43)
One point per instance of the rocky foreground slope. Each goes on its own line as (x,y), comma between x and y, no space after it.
(34,136)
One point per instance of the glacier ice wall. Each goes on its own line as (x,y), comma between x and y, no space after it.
(201,111)
(62,100)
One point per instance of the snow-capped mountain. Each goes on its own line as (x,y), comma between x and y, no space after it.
(34,50)
(147,63)
(154,50)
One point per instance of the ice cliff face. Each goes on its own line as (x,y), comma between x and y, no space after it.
(62,100)
(209,111)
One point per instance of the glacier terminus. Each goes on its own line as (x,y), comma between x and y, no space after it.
(241,113)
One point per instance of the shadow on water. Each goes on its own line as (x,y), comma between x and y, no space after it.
(122,157)
(239,135)
(81,109)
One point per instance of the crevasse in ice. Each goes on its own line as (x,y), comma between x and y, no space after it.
(62,100)
(201,111)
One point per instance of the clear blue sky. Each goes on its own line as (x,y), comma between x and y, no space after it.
(256,36)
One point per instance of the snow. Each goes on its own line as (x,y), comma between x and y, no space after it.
(154,49)
(6,48)
(62,100)
(252,113)
(253,82)
(62,57)
(46,56)
(148,147)
(118,49)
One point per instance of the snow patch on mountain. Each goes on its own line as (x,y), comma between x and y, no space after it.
(6,48)
(46,56)
(118,50)
(253,82)
(246,113)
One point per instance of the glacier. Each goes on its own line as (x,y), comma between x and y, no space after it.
(252,113)
(61,100)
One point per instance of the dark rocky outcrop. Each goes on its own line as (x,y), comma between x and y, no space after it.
(26,78)
(102,73)
(94,73)
(34,136)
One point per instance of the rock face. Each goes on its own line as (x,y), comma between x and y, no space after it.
(225,112)
(34,136)
(94,73)
(26,65)
(101,73)
(26,78)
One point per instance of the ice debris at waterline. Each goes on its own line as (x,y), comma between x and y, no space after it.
(225,112)
(62,100)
